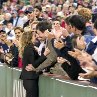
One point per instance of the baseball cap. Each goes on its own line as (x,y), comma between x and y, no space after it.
(29,10)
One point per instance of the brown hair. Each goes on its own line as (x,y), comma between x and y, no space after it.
(19,28)
(25,39)
(86,13)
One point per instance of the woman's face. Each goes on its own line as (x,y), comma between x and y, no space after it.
(34,38)
(9,26)
(58,8)
(17,33)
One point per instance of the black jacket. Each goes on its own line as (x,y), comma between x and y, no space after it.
(74,68)
(30,56)
(14,51)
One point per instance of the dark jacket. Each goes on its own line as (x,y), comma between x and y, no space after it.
(73,69)
(26,24)
(30,56)
(14,51)
(7,21)
(51,58)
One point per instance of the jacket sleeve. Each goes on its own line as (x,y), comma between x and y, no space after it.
(51,58)
(31,57)
(40,60)
(74,69)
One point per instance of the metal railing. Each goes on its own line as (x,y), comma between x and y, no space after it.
(49,86)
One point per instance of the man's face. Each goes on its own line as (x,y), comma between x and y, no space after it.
(36,12)
(14,15)
(40,36)
(31,16)
(68,28)
(21,15)
(73,29)
(6,17)
(48,9)
(56,25)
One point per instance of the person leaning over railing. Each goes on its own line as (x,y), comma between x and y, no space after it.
(70,64)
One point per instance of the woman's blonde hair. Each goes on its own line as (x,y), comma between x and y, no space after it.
(25,39)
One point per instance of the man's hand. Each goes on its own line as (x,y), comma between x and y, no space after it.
(65,33)
(1,50)
(46,52)
(76,53)
(29,67)
(88,75)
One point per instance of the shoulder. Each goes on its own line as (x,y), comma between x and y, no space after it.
(29,47)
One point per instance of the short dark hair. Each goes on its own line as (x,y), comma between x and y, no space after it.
(9,22)
(38,7)
(78,22)
(44,25)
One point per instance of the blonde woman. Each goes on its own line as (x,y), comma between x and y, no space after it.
(30,56)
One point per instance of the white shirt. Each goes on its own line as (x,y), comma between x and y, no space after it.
(42,45)
(20,22)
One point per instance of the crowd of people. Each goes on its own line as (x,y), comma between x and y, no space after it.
(54,36)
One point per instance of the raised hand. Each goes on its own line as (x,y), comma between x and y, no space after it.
(76,53)
(65,33)
(80,43)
